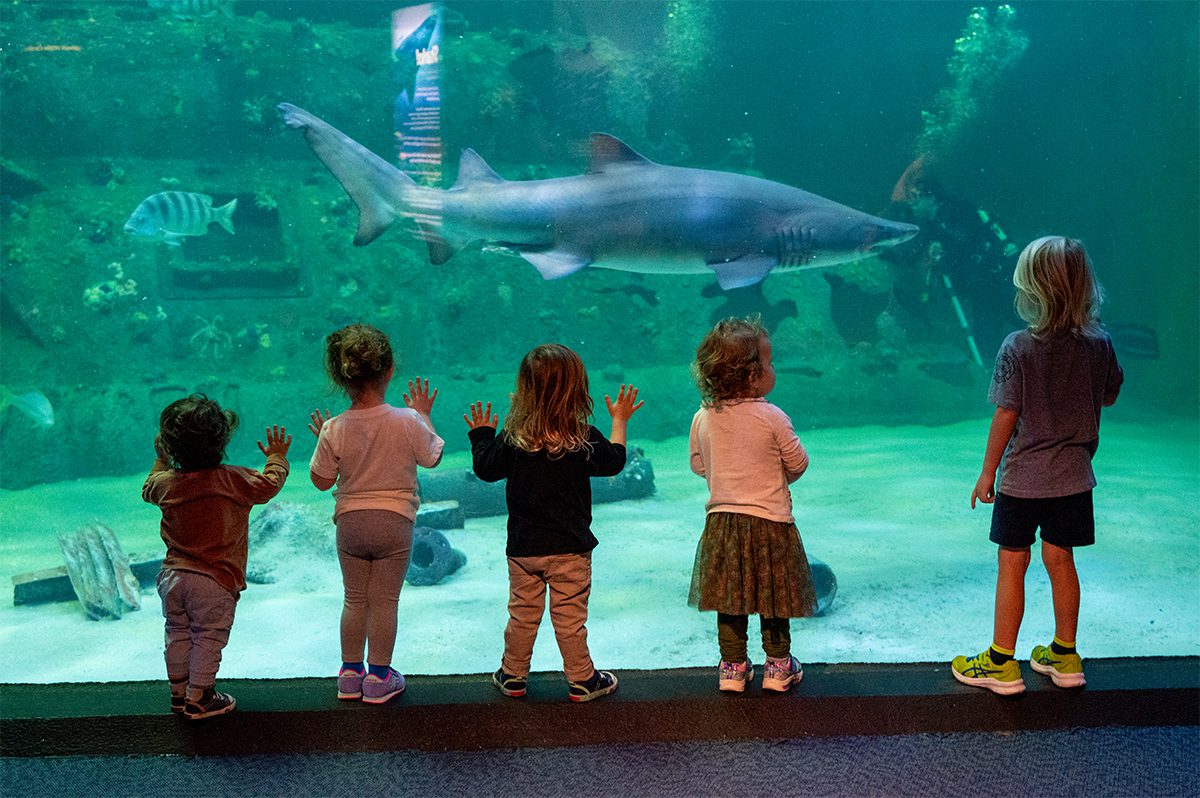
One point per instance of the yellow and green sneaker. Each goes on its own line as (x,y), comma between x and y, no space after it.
(1065,670)
(980,671)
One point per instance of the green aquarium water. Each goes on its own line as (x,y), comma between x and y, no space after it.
(119,119)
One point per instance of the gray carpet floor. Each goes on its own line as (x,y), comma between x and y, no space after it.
(1157,761)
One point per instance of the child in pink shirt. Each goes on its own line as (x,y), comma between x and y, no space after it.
(750,559)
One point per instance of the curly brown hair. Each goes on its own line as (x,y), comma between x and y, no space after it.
(727,360)
(193,433)
(357,356)
(551,407)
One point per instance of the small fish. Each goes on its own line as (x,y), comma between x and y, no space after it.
(189,9)
(33,404)
(171,215)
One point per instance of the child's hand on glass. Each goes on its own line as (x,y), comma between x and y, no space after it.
(318,421)
(278,442)
(625,405)
(481,416)
(418,397)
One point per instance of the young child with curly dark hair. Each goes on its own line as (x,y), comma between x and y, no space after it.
(205,525)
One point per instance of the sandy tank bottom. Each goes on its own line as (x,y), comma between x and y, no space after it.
(886,507)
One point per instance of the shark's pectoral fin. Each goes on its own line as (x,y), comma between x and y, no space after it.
(554,264)
(743,271)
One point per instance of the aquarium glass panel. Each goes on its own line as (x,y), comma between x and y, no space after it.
(196,193)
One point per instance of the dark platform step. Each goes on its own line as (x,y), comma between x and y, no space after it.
(442,713)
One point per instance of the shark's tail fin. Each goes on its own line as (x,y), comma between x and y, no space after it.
(377,187)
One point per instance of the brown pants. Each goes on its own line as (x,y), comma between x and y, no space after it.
(569,577)
(374,547)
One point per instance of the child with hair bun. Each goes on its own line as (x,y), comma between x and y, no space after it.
(371,453)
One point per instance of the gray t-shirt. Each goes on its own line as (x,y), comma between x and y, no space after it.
(1057,385)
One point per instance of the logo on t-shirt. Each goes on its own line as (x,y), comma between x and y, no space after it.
(1005,366)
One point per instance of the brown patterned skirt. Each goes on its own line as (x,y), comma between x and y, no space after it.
(747,565)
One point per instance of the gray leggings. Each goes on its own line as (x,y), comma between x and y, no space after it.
(373,548)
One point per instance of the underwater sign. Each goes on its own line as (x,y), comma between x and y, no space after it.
(416,112)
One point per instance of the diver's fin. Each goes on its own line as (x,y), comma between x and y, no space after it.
(376,186)
(743,271)
(473,169)
(609,150)
(554,264)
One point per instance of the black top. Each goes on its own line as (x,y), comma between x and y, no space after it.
(549,500)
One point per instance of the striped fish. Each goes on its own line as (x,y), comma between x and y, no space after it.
(171,215)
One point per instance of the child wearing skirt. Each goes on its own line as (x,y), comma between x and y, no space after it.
(750,560)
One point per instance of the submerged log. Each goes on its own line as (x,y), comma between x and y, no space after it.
(49,585)
(99,572)
(478,498)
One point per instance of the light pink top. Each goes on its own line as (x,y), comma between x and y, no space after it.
(749,454)
(373,454)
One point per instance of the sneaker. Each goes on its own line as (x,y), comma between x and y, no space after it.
(732,677)
(779,675)
(350,684)
(178,704)
(1066,670)
(210,704)
(378,691)
(980,671)
(511,686)
(601,684)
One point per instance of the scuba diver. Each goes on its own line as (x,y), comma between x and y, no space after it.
(961,257)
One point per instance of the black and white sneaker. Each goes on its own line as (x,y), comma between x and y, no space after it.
(601,684)
(210,704)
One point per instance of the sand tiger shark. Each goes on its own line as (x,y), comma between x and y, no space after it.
(626,213)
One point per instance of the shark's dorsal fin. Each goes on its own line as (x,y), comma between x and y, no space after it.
(609,150)
(473,169)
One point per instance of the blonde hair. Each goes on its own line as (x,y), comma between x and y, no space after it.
(551,406)
(728,361)
(1056,287)
(357,356)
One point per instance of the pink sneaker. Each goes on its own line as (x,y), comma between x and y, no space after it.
(350,684)
(732,677)
(780,674)
(379,691)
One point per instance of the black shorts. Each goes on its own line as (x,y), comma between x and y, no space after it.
(1066,521)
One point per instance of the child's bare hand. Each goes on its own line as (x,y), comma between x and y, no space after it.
(418,397)
(318,421)
(626,404)
(481,416)
(985,490)
(278,442)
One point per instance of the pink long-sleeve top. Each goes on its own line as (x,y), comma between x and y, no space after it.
(748,453)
